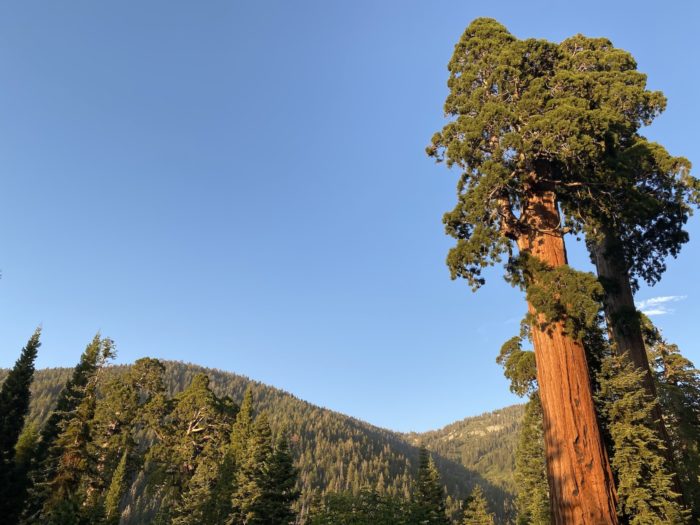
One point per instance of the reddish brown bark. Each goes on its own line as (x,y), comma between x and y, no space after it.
(582,490)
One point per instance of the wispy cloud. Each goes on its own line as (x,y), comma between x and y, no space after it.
(659,305)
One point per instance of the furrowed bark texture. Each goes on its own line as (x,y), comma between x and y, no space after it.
(581,485)
(625,330)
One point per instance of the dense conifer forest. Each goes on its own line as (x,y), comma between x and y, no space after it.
(337,456)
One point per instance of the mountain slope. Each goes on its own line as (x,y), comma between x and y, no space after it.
(336,452)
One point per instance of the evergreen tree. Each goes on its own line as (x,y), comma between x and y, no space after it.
(70,479)
(282,491)
(644,483)
(14,401)
(476,511)
(191,443)
(634,216)
(367,507)
(44,473)
(122,412)
(242,428)
(115,491)
(517,142)
(429,496)
(532,501)
(14,406)
(241,433)
(678,383)
(251,502)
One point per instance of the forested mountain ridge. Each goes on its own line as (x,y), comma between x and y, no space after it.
(485,443)
(335,452)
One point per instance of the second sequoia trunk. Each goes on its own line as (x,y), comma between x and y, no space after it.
(624,326)
(580,479)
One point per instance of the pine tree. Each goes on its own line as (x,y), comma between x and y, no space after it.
(243,428)
(367,507)
(48,453)
(644,482)
(532,501)
(282,491)
(14,401)
(116,490)
(192,440)
(429,495)
(476,511)
(14,406)
(678,383)
(226,488)
(122,411)
(250,501)
(69,482)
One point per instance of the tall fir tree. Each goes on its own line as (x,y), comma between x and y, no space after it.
(678,383)
(44,470)
(282,480)
(242,428)
(532,497)
(25,454)
(116,490)
(251,504)
(67,489)
(121,413)
(14,400)
(644,481)
(476,511)
(367,507)
(532,501)
(226,487)
(14,406)
(428,495)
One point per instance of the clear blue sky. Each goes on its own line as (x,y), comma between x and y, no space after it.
(243,185)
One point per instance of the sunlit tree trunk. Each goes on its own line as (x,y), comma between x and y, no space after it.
(580,479)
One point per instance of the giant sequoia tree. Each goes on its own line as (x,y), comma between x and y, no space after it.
(637,198)
(515,138)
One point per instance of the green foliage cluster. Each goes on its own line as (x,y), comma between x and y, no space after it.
(16,446)
(368,507)
(532,502)
(477,511)
(109,430)
(644,481)
(678,384)
(429,494)
(528,114)
(558,295)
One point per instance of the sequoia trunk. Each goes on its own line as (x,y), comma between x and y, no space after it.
(623,323)
(582,490)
